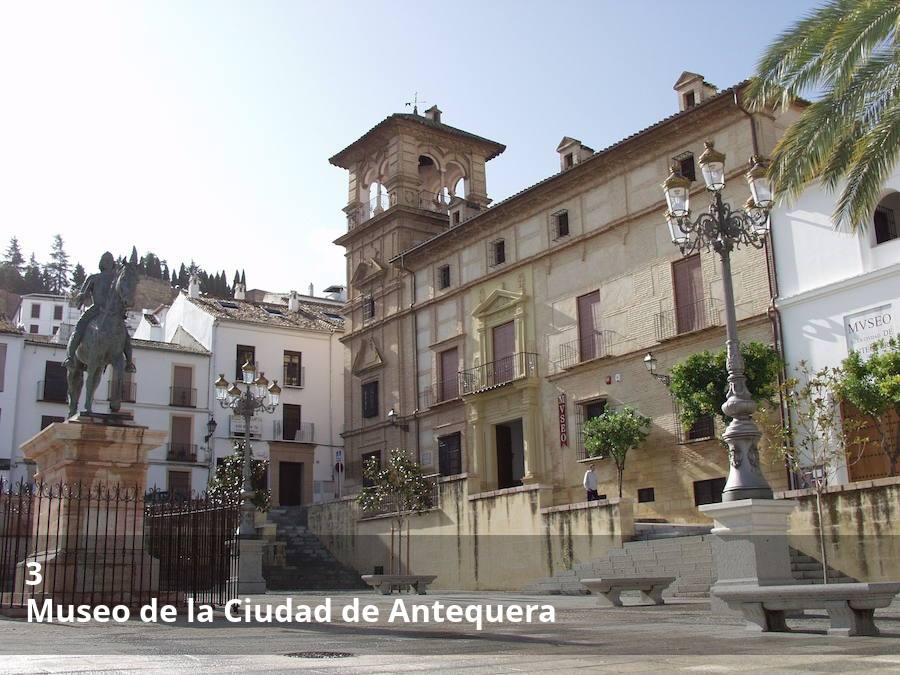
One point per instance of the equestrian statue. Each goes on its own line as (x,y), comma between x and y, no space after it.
(100,338)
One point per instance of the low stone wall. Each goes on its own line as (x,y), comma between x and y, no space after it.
(498,540)
(862,526)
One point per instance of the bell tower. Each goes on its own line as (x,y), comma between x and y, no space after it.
(410,178)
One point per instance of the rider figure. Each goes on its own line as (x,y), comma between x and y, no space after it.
(97,287)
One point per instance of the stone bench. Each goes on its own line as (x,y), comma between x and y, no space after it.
(851,607)
(386,583)
(608,589)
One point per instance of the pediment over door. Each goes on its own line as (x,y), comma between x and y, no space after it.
(498,300)
(368,357)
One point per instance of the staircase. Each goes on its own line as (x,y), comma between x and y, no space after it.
(308,565)
(665,549)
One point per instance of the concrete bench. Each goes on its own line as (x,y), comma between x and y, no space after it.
(386,583)
(608,589)
(851,607)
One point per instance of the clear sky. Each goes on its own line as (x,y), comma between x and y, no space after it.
(203,129)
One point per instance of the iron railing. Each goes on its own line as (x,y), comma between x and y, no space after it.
(52,391)
(497,373)
(592,346)
(183,397)
(428,201)
(687,318)
(129,391)
(440,392)
(391,505)
(703,429)
(115,545)
(304,433)
(297,382)
(181,452)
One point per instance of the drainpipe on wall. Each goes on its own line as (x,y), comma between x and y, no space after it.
(772,311)
(415,325)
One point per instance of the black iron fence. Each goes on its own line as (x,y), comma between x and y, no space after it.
(114,545)
(687,318)
(496,373)
(594,345)
(440,392)
(183,397)
(181,452)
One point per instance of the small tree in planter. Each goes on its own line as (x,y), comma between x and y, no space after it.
(613,434)
(872,386)
(700,381)
(229,478)
(400,489)
(819,442)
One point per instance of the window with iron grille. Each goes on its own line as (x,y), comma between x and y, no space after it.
(585,411)
(293,375)
(444,277)
(370,399)
(560,224)
(708,491)
(496,252)
(368,308)
(450,454)
(244,353)
(645,495)
(685,163)
(701,430)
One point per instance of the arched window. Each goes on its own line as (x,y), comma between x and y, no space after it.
(886,218)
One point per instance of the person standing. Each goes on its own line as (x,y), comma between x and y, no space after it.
(590,484)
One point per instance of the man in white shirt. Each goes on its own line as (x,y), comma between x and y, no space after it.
(590,484)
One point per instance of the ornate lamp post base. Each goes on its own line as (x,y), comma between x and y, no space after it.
(745,477)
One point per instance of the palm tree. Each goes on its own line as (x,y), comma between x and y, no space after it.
(846,54)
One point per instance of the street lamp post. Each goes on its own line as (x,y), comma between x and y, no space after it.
(723,229)
(256,394)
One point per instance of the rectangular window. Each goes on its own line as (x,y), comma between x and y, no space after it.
(47,420)
(55,384)
(180,484)
(689,306)
(290,424)
(690,100)
(444,277)
(457,217)
(244,354)
(183,392)
(35,311)
(584,412)
(364,461)
(708,491)
(569,160)
(2,365)
(704,427)
(646,495)
(685,164)
(589,346)
(181,448)
(560,221)
(57,312)
(496,252)
(448,387)
(33,329)
(293,369)
(370,399)
(368,308)
(885,225)
(450,454)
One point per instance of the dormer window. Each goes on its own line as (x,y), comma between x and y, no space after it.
(496,252)
(569,160)
(443,274)
(685,163)
(690,100)
(559,222)
(456,217)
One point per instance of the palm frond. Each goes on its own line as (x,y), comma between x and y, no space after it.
(870,26)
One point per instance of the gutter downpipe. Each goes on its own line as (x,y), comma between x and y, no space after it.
(415,324)
(773,311)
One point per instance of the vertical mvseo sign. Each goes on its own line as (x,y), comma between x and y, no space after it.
(563,425)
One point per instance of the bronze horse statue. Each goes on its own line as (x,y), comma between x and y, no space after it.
(103,345)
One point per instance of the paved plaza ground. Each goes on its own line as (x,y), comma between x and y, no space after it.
(683,636)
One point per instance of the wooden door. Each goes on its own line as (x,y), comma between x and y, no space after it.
(181,448)
(688,279)
(504,457)
(588,322)
(448,388)
(290,483)
(182,386)
(504,342)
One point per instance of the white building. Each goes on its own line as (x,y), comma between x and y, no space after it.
(163,394)
(294,343)
(11,345)
(44,313)
(837,290)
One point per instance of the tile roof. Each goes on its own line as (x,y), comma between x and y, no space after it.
(7,326)
(439,126)
(311,316)
(48,341)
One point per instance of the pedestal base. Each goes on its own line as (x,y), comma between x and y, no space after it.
(249,578)
(751,544)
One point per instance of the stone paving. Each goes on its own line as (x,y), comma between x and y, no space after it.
(679,637)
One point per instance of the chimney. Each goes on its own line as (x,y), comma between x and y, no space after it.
(294,301)
(692,90)
(311,291)
(433,114)
(194,286)
(240,293)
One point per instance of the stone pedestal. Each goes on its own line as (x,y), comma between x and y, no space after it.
(249,573)
(750,544)
(89,522)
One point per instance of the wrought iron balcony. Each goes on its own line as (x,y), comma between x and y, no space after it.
(497,373)
(52,391)
(183,397)
(304,433)
(593,346)
(181,452)
(687,318)
(440,392)
(129,391)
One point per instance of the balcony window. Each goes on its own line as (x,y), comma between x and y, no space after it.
(183,393)
(181,447)
(244,353)
(293,369)
(179,484)
(448,387)
(450,454)
(290,421)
